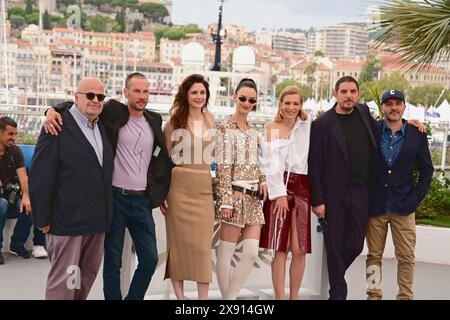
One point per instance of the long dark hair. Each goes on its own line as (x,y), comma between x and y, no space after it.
(180,109)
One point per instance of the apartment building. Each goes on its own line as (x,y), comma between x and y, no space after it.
(346,42)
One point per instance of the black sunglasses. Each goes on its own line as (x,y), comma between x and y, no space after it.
(91,96)
(250,100)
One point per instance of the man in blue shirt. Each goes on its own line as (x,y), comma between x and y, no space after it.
(395,195)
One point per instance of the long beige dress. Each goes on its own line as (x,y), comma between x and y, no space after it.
(190,215)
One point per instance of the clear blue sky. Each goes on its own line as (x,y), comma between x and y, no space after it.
(256,14)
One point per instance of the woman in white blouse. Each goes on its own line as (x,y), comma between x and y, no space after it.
(287,211)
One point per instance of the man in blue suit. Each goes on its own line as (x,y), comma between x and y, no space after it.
(71,194)
(340,165)
(395,195)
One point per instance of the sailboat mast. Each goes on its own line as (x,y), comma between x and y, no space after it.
(5,53)
(39,52)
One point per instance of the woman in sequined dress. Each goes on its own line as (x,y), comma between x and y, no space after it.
(189,207)
(288,210)
(240,189)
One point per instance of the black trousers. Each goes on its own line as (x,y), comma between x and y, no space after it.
(344,239)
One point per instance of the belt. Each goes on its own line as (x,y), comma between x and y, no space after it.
(250,192)
(126,192)
(191,170)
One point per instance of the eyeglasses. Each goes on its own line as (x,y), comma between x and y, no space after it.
(91,96)
(244,99)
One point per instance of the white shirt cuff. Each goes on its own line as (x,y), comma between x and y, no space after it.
(277,194)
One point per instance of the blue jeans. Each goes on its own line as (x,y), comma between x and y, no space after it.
(22,228)
(134,213)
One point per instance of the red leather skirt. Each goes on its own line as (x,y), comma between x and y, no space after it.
(275,232)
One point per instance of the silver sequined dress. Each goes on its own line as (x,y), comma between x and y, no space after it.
(237,162)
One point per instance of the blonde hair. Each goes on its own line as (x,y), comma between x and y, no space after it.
(288,91)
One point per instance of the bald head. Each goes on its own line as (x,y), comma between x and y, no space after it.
(87,98)
(88,84)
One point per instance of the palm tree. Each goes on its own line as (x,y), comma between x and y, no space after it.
(29,6)
(420,28)
(318,54)
(310,72)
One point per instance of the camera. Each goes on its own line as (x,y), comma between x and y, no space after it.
(11,192)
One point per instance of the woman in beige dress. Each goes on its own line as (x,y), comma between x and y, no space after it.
(240,189)
(189,207)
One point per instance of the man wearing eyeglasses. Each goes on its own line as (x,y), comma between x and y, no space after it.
(71,196)
(141,180)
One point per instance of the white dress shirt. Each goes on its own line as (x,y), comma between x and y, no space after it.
(283,155)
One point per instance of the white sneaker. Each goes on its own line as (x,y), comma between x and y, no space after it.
(39,252)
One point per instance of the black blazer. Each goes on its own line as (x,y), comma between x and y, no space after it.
(114,116)
(328,164)
(397,183)
(69,189)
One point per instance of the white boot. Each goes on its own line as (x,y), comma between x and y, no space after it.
(225,252)
(250,248)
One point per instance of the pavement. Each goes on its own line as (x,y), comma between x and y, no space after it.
(25,280)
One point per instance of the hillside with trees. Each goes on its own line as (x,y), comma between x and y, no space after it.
(96,15)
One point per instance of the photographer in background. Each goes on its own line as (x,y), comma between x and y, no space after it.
(14,195)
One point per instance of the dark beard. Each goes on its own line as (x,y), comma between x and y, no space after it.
(135,107)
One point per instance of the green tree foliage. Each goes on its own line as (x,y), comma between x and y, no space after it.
(420,29)
(32,18)
(437,201)
(373,90)
(16,11)
(120,22)
(66,3)
(174,33)
(370,70)
(114,3)
(306,92)
(29,6)
(46,24)
(318,54)
(96,2)
(137,26)
(99,23)
(310,71)
(54,19)
(154,12)
(427,95)
(17,22)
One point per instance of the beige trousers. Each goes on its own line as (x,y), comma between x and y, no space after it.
(403,230)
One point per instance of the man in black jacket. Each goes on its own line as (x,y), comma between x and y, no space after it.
(141,180)
(71,196)
(340,166)
(395,195)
